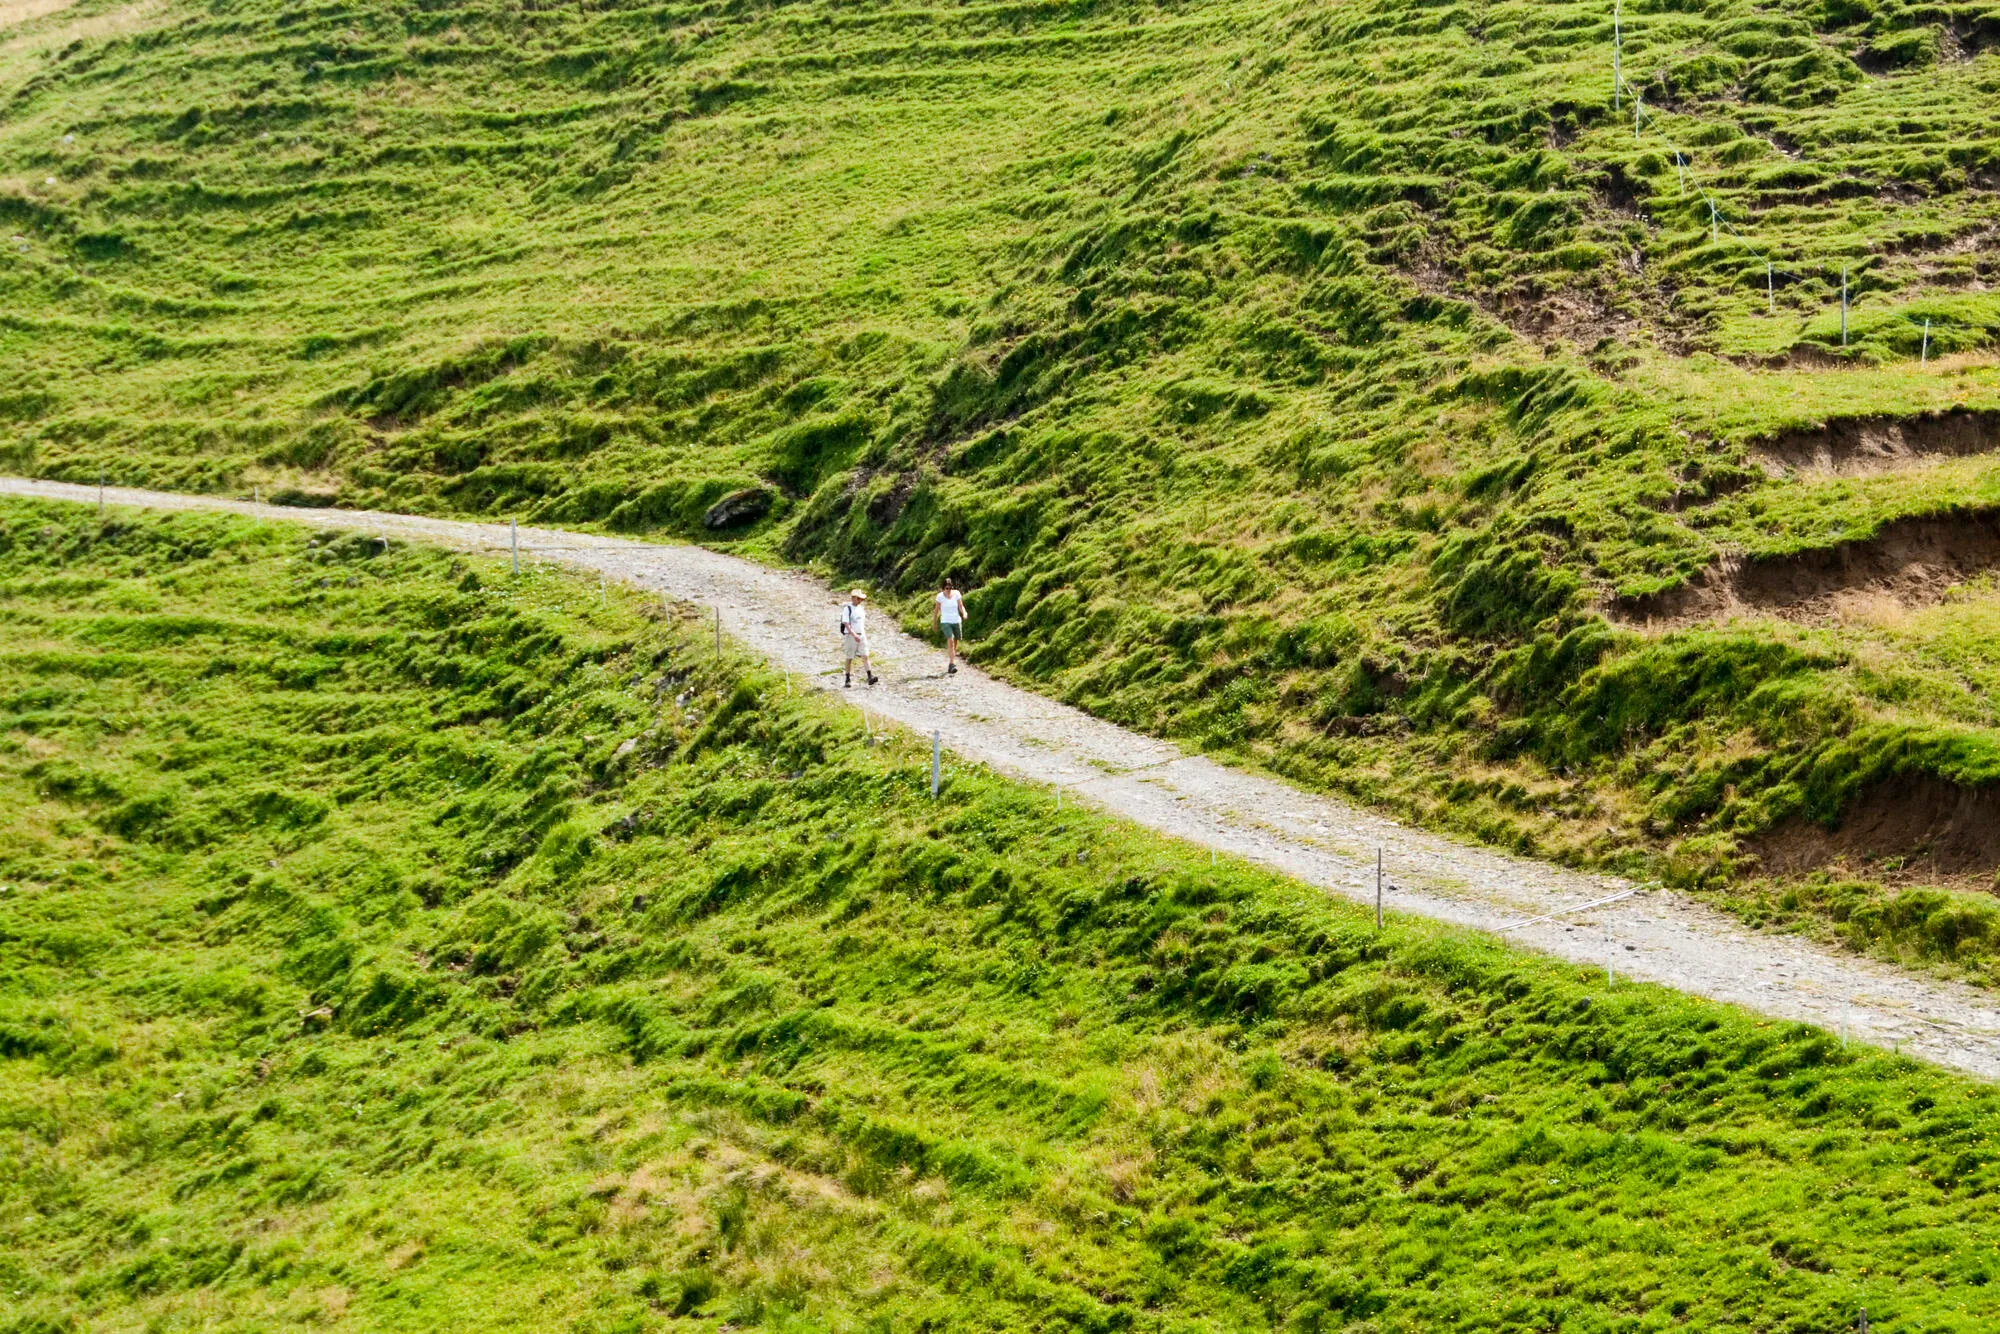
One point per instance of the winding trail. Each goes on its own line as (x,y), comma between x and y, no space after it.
(1648,934)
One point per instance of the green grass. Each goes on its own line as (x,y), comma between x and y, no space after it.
(1295,383)
(353,972)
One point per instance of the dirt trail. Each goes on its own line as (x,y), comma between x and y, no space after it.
(1652,935)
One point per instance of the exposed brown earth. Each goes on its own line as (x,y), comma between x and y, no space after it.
(1578,316)
(1913,562)
(1934,829)
(1860,446)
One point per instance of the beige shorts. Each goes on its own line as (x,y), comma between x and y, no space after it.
(856,645)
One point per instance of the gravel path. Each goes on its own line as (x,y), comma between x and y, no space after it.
(1648,934)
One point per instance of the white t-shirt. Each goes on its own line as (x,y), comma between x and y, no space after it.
(951,608)
(854,620)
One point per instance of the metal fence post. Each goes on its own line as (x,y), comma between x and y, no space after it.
(1378,889)
(1617,55)
(937,752)
(514,544)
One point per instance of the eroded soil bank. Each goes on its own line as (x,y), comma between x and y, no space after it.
(1913,562)
(1863,446)
(1936,830)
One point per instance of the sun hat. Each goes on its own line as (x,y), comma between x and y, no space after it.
(857,593)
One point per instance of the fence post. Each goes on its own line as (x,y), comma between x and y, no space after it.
(514,544)
(1925,359)
(1638,108)
(1843,305)
(1714,225)
(1378,889)
(1680,169)
(1617,55)
(1610,977)
(937,752)
(1770,290)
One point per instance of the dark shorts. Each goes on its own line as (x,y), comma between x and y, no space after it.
(950,629)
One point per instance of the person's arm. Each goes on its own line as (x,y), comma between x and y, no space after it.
(937,612)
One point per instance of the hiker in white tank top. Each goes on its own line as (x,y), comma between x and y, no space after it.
(854,636)
(948,618)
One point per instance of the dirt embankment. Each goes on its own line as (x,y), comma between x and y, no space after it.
(1935,829)
(1912,562)
(1861,446)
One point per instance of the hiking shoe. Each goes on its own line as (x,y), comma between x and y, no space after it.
(951,669)
(847,684)
(872,678)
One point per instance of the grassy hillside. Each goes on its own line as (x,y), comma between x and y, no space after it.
(355,972)
(1353,389)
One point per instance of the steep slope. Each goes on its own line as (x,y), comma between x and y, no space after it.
(354,971)
(1357,391)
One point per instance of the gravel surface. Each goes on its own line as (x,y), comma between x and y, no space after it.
(1648,934)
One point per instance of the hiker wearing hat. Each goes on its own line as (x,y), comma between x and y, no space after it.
(854,636)
(948,616)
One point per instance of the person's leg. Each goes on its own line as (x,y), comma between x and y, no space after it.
(950,647)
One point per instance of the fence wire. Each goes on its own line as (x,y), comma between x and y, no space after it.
(1719,223)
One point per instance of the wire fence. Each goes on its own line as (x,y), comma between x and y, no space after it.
(1718,223)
